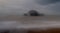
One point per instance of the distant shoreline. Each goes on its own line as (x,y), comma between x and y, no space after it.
(30,18)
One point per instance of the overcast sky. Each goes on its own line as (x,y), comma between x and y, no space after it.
(48,7)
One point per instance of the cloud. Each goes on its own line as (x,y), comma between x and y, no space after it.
(19,7)
(51,5)
(45,2)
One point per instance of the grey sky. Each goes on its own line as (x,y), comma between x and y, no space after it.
(16,7)
(45,2)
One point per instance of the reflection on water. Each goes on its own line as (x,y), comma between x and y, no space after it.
(15,24)
(22,23)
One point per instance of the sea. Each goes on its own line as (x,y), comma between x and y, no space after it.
(23,23)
